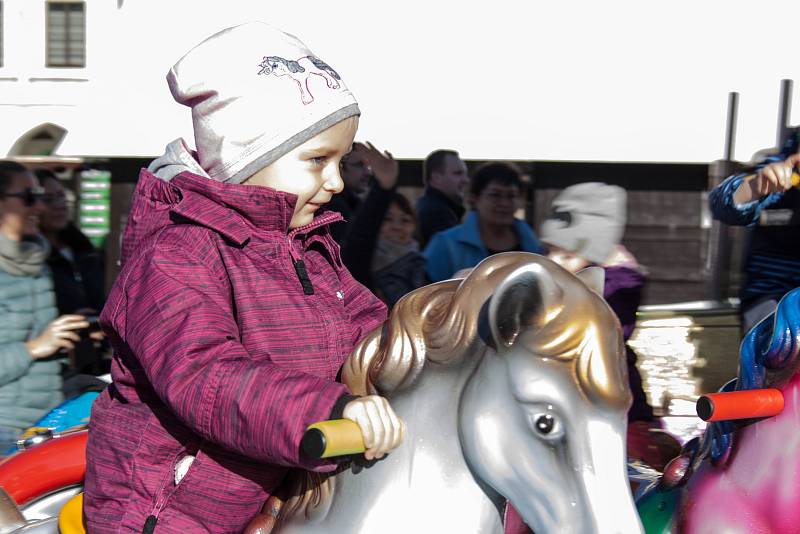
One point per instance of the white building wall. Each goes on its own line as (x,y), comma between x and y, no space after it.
(30,92)
(581,80)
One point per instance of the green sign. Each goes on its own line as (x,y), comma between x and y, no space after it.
(94,213)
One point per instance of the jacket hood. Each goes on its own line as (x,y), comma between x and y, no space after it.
(177,158)
(172,192)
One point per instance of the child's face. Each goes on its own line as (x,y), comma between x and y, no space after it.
(310,171)
(568,260)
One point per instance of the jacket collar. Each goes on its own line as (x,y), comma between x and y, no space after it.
(469,233)
(235,211)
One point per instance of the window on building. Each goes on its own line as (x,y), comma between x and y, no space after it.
(66,34)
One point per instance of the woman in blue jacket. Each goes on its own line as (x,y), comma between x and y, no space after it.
(490,228)
(31,337)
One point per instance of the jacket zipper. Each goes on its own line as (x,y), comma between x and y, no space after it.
(150,524)
(297,260)
(152,519)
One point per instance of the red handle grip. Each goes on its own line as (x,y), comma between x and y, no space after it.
(746,404)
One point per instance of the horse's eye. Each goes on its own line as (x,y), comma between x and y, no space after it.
(547,426)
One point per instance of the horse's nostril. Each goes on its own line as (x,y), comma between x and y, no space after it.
(677,471)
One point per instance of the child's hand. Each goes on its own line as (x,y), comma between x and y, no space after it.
(380,427)
(775,177)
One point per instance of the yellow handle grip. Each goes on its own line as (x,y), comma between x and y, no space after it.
(337,437)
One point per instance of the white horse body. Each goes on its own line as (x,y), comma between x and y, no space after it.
(513,385)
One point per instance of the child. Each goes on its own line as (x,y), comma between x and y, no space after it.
(233,312)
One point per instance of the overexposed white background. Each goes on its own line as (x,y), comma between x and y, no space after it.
(613,80)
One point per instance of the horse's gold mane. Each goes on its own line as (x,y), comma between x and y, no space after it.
(438,323)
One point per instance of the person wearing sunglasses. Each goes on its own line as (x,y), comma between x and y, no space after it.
(33,338)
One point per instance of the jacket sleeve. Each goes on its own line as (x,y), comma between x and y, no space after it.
(15,361)
(439,262)
(180,326)
(723,207)
(358,245)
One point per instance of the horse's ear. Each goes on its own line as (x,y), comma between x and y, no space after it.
(527,298)
(594,278)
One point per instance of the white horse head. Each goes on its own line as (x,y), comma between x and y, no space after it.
(558,377)
(513,385)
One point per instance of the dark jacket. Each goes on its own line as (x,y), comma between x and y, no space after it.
(402,276)
(436,212)
(347,204)
(394,280)
(79,283)
(362,234)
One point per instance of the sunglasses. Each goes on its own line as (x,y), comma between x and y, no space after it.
(29,196)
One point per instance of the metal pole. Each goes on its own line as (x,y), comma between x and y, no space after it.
(719,241)
(730,131)
(784,112)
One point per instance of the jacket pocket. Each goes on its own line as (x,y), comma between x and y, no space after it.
(217,493)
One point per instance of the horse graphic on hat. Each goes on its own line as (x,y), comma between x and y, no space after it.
(300,71)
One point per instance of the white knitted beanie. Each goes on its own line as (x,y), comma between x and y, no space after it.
(256,93)
(587,219)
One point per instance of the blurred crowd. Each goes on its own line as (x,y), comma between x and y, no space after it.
(52,277)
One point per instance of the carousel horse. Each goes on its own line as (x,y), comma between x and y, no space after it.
(513,386)
(741,476)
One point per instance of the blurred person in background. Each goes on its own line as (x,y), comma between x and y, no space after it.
(767,201)
(356,176)
(77,268)
(32,336)
(490,228)
(394,265)
(379,249)
(442,204)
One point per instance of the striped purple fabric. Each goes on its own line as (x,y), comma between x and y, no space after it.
(218,353)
